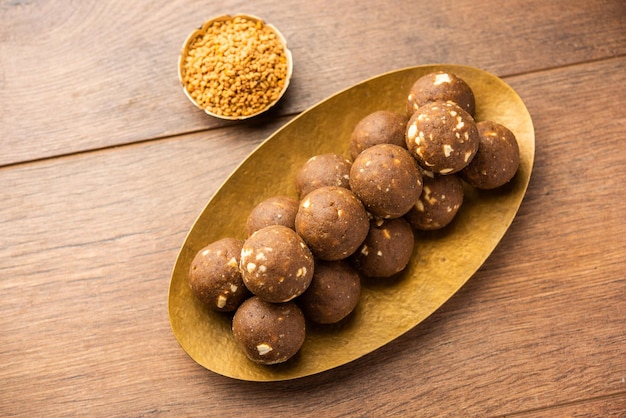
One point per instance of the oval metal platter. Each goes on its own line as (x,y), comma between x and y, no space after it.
(442,261)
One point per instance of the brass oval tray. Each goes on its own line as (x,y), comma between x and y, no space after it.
(442,262)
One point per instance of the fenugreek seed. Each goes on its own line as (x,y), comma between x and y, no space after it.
(237,57)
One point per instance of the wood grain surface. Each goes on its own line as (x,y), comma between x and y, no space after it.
(104,166)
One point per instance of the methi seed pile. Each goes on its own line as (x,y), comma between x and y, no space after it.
(237,68)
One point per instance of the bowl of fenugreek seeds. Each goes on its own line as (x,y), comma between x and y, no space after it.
(235,67)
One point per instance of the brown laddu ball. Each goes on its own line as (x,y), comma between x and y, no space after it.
(333,293)
(441,198)
(269,333)
(386,250)
(323,170)
(497,159)
(214,275)
(379,127)
(275,210)
(440,86)
(332,221)
(442,137)
(386,179)
(276,264)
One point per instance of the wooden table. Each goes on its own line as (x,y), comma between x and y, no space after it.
(104,166)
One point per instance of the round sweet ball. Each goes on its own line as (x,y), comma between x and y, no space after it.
(497,159)
(386,250)
(323,170)
(441,86)
(276,210)
(438,204)
(442,137)
(333,294)
(214,275)
(386,179)
(380,127)
(269,333)
(332,221)
(276,265)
